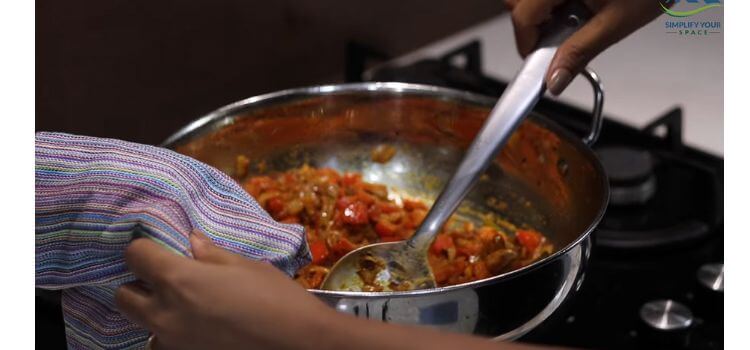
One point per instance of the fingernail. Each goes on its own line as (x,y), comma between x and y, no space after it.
(559,80)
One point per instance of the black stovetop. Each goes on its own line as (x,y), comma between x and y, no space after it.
(666,222)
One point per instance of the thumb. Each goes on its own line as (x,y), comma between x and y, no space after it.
(576,52)
(612,22)
(206,251)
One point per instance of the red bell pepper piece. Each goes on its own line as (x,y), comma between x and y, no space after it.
(529,239)
(319,251)
(442,243)
(356,214)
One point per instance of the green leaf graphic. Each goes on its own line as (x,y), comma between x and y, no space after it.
(687,13)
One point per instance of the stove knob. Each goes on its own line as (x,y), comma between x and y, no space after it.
(711,276)
(709,292)
(666,324)
(666,315)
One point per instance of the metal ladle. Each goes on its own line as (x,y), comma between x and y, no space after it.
(403,265)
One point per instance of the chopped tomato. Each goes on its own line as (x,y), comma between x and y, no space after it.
(344,202)
(339,210)
(468,247)
(356,214)
(416,217)
(259,184)
(412,204)
(487,234)
(330,175)
(365,197)
(388,208)
(442,243)
(379,209)
(480,270)
(374,212)
(385,229)
(290,220)
(445,271)
(441,274)
(275,206)
(351,178)
(529,239)
(311,276)
(319,251)
(343,246)
(288,178)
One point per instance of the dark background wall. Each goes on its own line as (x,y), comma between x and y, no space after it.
(138,70)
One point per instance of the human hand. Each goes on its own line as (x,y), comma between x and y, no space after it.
(613,20)
(219,300)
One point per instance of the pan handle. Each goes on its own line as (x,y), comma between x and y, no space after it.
(598,118)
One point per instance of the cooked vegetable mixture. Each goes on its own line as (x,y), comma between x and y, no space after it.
(342,212)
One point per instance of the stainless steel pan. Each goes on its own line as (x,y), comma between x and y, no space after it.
(544,177)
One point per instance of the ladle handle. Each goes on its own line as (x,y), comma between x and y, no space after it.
(516,102)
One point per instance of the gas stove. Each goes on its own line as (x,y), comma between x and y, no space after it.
(655,278)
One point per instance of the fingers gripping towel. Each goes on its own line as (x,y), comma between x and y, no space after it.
(93,196)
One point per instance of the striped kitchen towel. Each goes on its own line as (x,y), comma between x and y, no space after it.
(93,196)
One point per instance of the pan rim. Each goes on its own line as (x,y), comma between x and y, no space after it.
(196,127)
